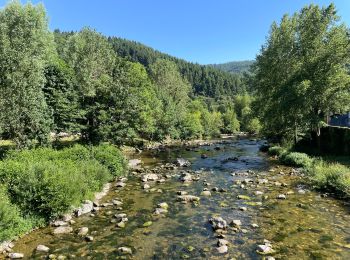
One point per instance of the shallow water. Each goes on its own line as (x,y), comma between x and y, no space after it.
(304,226)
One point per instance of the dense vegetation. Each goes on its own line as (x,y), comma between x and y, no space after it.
(325,176)
(107,89)
(301,73)
(41,184)
(205,80)
(235,67)
(300,76)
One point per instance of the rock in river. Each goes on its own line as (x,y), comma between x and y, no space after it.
(87,207)
(83,231)
(42,248)
(186,177)
(236,223)
(222,249)
(206,193)
(134,163)
(188,198)
(281,197)
(182,162)
(125,250)
(218,223)
(16,255)
(62,230)
(149,177)
(163,205)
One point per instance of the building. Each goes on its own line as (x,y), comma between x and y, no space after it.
(340,120)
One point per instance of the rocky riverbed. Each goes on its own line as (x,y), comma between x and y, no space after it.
(218,201)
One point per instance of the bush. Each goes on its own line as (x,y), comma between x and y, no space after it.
(11,221)
(296,159)
(276,150)
(331,177)
(110,157)
(45,183)
(49,188)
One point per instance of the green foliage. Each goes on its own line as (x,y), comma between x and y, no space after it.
(110,157)
(332,177)
(62,97)
(205,80)
(301,73)
(296,159)
(25,47)
(46,183)
(253,125)
(11,221)
(212,123)
(235,66)
(173,92)
(231,123)
(276,150)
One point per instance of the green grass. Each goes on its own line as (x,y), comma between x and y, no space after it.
(333,177)
(296,159)
(276,150)
(330,173)
(41,184)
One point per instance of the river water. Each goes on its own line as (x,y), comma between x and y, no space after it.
(305,225)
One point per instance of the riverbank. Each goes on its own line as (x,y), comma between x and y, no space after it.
(64,201)
(330,176)
(163,212)
(41,185)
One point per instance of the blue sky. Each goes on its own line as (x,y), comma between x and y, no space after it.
(203,31)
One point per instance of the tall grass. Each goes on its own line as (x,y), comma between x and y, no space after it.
(332,177)
(326,176)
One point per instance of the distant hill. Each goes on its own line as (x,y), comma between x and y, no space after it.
(206,80)
(234,66)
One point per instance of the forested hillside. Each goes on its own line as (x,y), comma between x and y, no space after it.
(234,67)
(205,80)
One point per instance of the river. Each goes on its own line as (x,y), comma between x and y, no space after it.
(305,225)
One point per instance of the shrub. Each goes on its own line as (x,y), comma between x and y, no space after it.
(11,221)
(296,159)
(276,150)
(50,188)
(332,177)
(46,183)
(110,157)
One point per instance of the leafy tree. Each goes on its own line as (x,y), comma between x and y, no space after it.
(230,121)
(300,74)
(91,57)
(212,123)
(173,91)
(129,108)
(62,97)
(25,47)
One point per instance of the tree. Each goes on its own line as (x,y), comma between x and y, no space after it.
(25,47)
(230,121)
(129,108)
(62,97)
(173,91)
(92,58)
(300,73)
